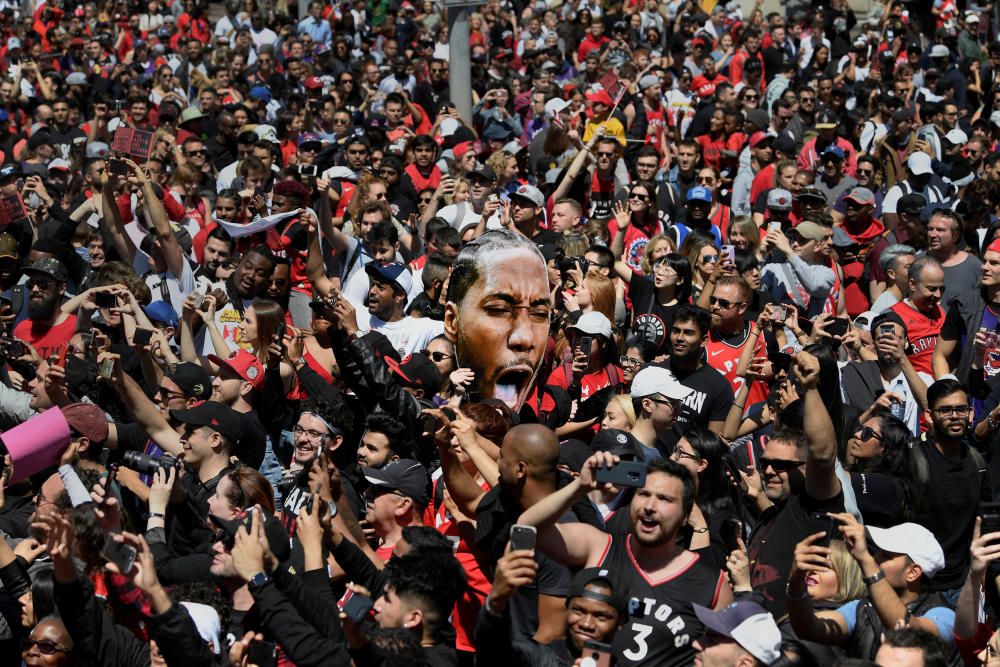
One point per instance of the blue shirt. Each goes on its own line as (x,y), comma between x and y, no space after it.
(943,618)
(318,29)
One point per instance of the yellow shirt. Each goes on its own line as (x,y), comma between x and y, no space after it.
(612,128)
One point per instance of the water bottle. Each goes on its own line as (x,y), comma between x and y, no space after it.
(897,409)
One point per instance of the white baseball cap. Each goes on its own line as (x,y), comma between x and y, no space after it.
(919,163)
(555,106)
(957,137)
(913,540)
(748,624)
(654,380)
(593,323)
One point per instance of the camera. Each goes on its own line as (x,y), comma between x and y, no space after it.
(566,264)
(146,464)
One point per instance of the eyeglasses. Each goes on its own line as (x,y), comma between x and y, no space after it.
(779,465)
(636,195)
(681,454)
(166,394)
(312,434)
(45,646)
(437,357)
(664,269)
(952,411)
(867,433)
(41,284)
(626,361)
(724,304)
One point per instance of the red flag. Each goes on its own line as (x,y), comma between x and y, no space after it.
(612,86)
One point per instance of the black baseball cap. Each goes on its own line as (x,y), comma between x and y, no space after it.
(590,575)
(619,443)
(51,267)
(911,203)
(277,536)
(215,415)
(416,371)
(192,379)
(405,475)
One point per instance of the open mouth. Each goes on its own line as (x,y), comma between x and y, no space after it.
(647,525)
(511,385)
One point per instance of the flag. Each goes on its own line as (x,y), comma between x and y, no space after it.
(612,86)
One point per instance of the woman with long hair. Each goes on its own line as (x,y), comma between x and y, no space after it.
(658,247)
(881,471)
(703,255)
(370,188)
(659,295)
(704,454)
(744,235)
(184,185)
(255,333)
(719,215)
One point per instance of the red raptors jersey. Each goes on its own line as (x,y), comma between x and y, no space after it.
(725,358)
(636,239)
(656,125)
(922,332)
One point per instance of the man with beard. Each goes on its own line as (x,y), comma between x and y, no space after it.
(953,481)
(664,580)
(921,312)
(961,269)
(280,286)
(596,608)
(47,328)
(242,288)
(219,246)
(497,315)
(696,209)
(240,376)
(386,310)
(711,395)
(730,334)
(891,375)
(432,93)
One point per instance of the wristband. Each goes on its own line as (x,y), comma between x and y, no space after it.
(875,578)
(157,515)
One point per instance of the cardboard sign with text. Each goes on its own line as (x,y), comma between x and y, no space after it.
(12,209)
(137,144)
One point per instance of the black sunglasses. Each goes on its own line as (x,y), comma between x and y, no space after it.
(437,356)
(867,433)
(45,646)
(779,465)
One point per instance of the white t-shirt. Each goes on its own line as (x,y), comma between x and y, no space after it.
(408,335)
(165,286)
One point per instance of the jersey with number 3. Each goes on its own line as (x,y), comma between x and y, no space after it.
(661,625)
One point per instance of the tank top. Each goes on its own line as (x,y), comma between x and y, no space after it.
(661,625)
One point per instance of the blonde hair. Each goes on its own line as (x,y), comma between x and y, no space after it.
(647,254)
(360,197)
(849,583)
(624,402)
(749,228)
(459,181)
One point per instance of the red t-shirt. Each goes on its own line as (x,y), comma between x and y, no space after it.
(47,341)
(922,332)
(725,358)
(421,182)
(711,149)
(591,383)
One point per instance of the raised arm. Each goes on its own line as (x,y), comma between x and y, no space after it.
(111,219)
(315,266)
(146,413)
(157,216)
(821,474)
(572,544)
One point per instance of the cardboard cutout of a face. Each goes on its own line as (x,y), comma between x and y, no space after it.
(500,322)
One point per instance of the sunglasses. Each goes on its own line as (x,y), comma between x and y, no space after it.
(437,356)
(45,646)
(708,259)
(201,151)
(779,465)
(606,153)
(867,433)
(41,284)
(636,195)
(725,304)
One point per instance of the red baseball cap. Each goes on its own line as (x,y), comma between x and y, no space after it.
(600,97)
(312,83)
(243,363)
(760,136)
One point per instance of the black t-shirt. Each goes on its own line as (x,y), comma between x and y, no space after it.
(651,320)
(950,509)
(710,401)
(545,237)
(773,540)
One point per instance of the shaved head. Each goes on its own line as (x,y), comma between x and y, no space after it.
(528,452)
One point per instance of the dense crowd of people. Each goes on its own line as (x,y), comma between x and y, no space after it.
(682,348)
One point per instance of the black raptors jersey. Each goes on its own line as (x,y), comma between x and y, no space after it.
(661,623)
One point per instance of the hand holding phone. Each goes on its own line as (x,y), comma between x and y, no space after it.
(522,538)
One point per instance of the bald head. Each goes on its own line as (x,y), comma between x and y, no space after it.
(536,445)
